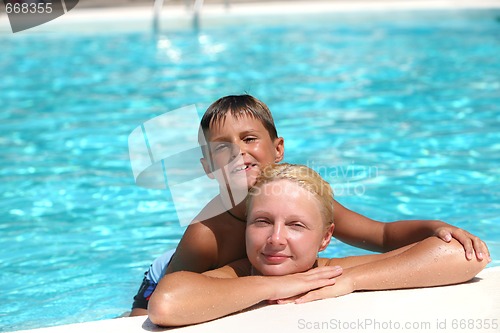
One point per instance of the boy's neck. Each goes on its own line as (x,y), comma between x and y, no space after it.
(238,212)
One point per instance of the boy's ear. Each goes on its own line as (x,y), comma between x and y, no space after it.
(279,145)
(206,168)
(327,237)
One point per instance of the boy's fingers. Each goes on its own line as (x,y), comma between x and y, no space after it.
(445,235)
(478,248)
(481,249)
(468,250)
(472,244)
(465,240)
(467,243)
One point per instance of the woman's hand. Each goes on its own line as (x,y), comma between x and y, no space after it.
(294,285)
(344,285)
(470,242)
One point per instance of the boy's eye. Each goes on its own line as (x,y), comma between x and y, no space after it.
(219,147)
(249,139)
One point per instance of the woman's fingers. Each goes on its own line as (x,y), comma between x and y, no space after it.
(300,283)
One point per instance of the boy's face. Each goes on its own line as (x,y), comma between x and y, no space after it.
(285,229)
(241,147)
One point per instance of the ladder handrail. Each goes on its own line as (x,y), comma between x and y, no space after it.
(197,6)
(157,8)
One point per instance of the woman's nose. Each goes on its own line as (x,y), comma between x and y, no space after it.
(278,235)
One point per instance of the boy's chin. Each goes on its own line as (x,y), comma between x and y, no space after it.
(243,182)
(251,180)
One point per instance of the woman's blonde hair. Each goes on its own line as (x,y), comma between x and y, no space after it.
(303,176)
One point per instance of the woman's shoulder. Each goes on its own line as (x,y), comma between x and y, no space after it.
(238,268)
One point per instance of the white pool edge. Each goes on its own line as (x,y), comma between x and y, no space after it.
(445,309)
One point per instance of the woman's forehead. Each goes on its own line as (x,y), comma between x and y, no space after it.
(285,192)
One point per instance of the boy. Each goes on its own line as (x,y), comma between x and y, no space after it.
(246,123)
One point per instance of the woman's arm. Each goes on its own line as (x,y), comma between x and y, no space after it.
(361,231)
(183,298)
(427,263)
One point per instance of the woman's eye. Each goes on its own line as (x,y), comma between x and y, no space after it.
(297,225)
(261,223)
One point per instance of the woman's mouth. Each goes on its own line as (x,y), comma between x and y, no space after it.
(275,258)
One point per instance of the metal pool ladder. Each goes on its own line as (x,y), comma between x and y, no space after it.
(197,5)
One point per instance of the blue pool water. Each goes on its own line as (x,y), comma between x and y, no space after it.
(399,111)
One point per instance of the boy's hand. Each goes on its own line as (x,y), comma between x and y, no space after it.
(470,242)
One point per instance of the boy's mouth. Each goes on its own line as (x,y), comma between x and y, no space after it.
(244,167)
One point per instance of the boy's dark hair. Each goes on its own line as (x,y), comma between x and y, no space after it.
(239,105)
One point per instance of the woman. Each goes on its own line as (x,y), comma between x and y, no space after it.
(290,220)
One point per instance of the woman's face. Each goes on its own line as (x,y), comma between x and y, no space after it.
(285,229)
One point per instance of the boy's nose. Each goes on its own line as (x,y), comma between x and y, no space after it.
(237,149)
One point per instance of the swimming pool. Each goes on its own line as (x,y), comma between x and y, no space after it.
(400,111)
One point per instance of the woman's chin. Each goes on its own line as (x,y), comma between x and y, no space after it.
(275,270)
(282,269)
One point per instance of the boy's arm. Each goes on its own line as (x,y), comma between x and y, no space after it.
(196,252)
(425,264)
(184,298)
(360,231)
(397,233)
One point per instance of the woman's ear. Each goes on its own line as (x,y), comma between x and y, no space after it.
(327,237)
(206,168)
(279,146)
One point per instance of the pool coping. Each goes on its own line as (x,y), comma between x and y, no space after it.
(139,18)
(445,309)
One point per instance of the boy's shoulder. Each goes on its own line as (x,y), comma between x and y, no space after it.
(214,225)
(221,226)
(210,241)
(212,209)
(214,217)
